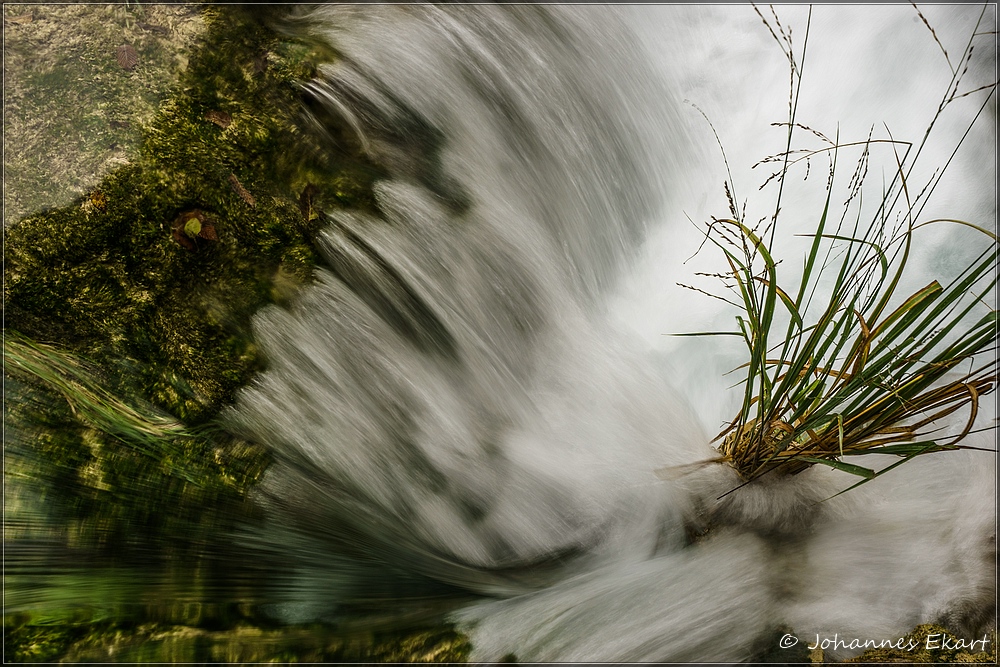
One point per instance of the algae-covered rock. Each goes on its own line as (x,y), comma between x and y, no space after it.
(72,113)
(159,317)
(105,277)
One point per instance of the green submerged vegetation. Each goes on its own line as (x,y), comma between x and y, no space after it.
(110,642)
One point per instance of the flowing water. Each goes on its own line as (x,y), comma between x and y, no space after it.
(473,399)
(478,390)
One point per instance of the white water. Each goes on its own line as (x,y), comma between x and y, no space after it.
(479,390)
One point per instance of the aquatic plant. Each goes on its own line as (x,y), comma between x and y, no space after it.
(68,376)
(116,471)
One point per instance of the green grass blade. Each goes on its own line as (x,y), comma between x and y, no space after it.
(860,471)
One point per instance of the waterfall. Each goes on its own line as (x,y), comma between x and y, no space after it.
(476,389)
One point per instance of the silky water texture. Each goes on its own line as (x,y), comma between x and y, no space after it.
(479,387)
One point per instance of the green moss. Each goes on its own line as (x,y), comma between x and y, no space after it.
(114,642)
(34,643)
(162,312)
(110,281)
(107,490)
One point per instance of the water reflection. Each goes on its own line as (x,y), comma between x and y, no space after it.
(221,602)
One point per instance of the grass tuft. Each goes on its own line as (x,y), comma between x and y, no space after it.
(844,363)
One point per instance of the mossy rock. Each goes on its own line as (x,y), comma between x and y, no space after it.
(72,114)
(162,316)
(107,278)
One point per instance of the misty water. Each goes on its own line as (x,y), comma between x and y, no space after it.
(469,407)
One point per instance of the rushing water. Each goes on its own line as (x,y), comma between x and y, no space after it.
(471,402)
(478,390)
